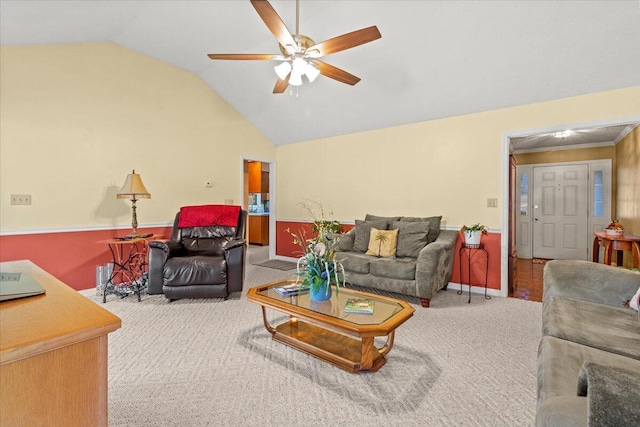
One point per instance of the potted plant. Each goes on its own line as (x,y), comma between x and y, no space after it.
(473,233)
(320,269)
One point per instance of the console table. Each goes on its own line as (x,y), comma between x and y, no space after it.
(53,355)
(625,242)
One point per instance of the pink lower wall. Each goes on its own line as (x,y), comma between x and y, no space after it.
(491,242)
(71,257)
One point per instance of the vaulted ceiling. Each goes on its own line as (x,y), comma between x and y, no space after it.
(435,58)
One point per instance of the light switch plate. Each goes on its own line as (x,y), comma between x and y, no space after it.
(492,203)
(21,199)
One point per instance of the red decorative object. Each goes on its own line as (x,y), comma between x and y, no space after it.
(208,215)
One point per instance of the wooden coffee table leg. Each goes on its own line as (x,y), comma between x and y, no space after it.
(369,352)
(389,344)
(266,322)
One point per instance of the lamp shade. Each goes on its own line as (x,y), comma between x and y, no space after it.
(133,188)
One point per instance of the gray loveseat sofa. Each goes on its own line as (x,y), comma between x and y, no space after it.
(589,356)
(422,264)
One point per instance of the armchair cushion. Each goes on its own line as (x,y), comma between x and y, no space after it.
(194,270)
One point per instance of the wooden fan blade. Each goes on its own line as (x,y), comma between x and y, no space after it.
(281,85)
(244,56)
(274,23)
(335,73)
(343,42)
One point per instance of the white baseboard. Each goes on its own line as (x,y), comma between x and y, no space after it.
(474,289)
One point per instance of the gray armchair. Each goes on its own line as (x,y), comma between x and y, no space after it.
(199,262)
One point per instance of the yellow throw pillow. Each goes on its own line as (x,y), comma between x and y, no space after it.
(383,243)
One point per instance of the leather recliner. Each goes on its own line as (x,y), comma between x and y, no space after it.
(199,262)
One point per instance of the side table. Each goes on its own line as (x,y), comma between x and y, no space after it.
(470,251)
(626,242)
(129,265)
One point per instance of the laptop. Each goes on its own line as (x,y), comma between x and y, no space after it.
(18,285)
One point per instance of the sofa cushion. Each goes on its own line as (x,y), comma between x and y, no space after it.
(387,219)
(363,231)
(434,225)
(382,243)
(596,325)
(342,242)
(412,237)
(398,268)
(354,261)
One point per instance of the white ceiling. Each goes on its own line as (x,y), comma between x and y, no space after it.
(435,59)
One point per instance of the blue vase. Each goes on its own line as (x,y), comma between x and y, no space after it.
(320,293)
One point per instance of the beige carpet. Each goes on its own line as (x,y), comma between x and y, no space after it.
(212,363)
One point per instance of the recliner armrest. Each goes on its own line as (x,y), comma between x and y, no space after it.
(159,252)
(233,243)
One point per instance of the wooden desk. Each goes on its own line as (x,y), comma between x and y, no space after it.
(626,242)
(53,355)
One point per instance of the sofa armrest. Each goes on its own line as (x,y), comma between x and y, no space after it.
(435,263)
(590,281)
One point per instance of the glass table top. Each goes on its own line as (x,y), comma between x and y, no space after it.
(384,308)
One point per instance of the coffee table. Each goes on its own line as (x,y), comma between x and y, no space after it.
(323,330)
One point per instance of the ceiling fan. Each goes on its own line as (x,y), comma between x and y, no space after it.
(300,53)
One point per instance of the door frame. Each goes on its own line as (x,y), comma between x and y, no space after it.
(506,150)
(272,197)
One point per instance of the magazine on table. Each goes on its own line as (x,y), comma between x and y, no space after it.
(359,306)
(292,289)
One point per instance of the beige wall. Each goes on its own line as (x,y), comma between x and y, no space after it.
(628,177)
(76,118)
(448,167)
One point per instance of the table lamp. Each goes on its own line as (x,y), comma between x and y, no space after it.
(133,189)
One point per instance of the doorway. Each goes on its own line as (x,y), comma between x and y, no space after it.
(600,187)
(258,199)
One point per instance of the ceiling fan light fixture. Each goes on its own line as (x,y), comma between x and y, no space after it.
(312,72)
(295,79)
(300,66)
(283,70)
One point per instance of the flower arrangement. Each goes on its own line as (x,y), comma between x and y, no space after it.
(318,266)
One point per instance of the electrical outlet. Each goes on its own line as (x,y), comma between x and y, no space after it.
(21,199)
(228,201)
(492,203)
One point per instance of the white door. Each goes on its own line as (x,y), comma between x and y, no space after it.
(560,202)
